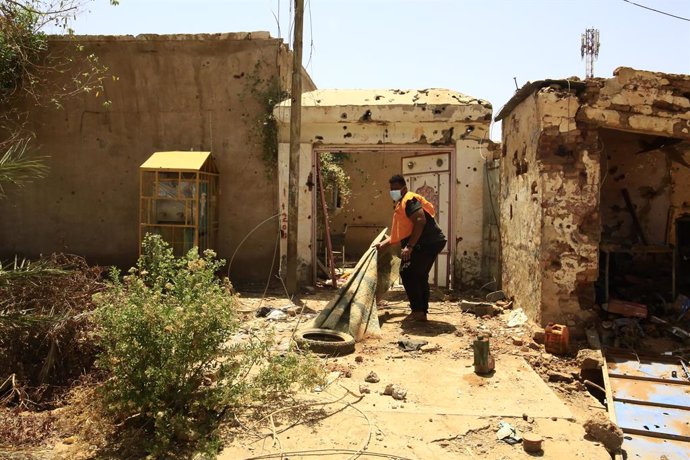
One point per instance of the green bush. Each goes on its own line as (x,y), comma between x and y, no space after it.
(166,332)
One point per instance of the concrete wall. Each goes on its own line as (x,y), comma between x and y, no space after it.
(181,92)
(520,208)
(550,187)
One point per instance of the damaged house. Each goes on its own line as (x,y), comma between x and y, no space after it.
(594,206)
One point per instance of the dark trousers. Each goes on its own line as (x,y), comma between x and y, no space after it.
(415,275)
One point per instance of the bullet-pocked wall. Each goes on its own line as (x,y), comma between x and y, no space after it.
(388,122)
(561,139)
(167,92)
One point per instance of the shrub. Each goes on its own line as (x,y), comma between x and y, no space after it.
(165,333)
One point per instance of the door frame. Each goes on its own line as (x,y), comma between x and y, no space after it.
(417,150)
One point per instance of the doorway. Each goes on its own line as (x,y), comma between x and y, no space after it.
(356,215)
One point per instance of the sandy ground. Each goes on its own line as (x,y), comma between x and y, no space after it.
(449,411)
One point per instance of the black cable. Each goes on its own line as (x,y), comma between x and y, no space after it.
(657,11)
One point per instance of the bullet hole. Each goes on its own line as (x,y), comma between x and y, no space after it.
(474,169)
(238,75)
(346,135)
(436,131)
(343,116)
(476,254)
(73,192)
(366,116)
(345,127)
(438,111)
(467,185)
(504,151)
(534,188)
(613,170)
(319,138)
(515,197)
(378,98)
(464,253)
(511,212)
(619,177)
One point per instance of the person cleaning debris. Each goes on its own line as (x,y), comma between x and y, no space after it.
(421,240)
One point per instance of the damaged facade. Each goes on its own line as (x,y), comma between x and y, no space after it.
(436,136)
(572,151)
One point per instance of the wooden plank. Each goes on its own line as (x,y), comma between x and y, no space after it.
(633,214)
(327,225)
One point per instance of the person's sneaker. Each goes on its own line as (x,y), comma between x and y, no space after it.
(416,316)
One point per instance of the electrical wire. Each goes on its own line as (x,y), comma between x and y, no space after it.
(657,11)
(322,452)
(245,239)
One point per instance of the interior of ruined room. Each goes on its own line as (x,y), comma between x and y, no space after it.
(361,212)
(644,221)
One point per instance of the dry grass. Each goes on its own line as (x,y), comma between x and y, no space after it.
(45,310)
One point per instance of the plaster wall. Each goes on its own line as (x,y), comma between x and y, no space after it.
(520,208)
(550,184)
(172,92)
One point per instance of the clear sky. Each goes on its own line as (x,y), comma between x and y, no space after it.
(475,47)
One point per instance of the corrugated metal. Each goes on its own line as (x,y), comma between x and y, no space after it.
(179,161)
(649,398)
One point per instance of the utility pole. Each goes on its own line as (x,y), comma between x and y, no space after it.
(295,133)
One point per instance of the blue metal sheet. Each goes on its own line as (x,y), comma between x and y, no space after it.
(652,419)
(652,392)
(641,389)
(647,448)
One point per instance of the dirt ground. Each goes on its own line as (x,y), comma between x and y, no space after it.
(449,411)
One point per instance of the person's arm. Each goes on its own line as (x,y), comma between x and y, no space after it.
(419,221)
(383,244)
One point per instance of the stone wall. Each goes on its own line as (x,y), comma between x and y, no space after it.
(169,92)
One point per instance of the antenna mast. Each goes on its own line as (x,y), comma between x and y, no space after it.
(590,50)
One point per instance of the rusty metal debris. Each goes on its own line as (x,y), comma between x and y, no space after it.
(647,398)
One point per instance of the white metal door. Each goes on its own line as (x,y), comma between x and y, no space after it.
(429,176)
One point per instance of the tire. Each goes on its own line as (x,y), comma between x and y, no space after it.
(325,342)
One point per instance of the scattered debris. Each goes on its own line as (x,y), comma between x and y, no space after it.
(590,359)
(372,378)
(539,335)
(395,391)
(555,376)
(411,345)
(508,433)
(625,308)
(556,339)
(603,430)
(495,296)
(364,389)
(532,443)
(478,308)
(516,318)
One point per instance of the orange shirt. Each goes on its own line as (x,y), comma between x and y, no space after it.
(402,225)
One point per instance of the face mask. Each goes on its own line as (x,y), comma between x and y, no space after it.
(396,195)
